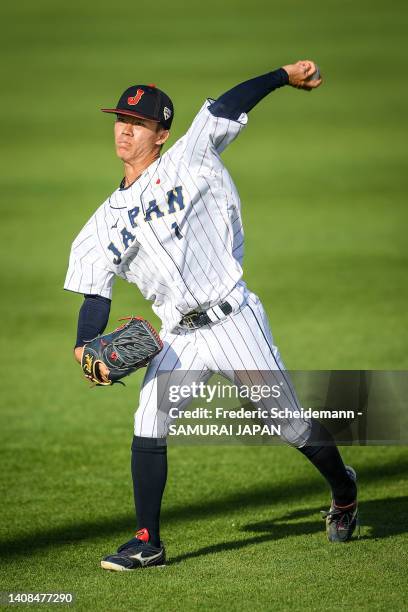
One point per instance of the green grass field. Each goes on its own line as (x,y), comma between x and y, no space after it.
(323,186)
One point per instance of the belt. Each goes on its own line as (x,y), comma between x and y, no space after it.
(198,318)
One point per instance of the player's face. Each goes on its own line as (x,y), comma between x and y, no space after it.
(136,138)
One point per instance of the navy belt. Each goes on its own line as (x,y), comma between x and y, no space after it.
(199,318)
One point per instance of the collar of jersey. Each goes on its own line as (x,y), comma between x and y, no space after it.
(139,178)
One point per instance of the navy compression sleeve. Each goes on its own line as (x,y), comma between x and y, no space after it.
(93,318)
(243,97)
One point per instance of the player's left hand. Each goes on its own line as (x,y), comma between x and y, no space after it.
(301,75)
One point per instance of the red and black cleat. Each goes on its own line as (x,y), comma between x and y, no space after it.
(135,554)
(341,521)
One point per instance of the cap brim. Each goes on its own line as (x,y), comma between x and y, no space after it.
(120,111)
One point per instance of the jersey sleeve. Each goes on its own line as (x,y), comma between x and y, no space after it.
(209,134)
(88,269)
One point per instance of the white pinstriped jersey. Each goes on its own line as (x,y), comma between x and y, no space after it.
(176,232)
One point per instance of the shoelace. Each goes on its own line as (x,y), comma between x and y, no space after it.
(342,518)
(133,543)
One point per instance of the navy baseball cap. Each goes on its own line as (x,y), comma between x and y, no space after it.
(147,102)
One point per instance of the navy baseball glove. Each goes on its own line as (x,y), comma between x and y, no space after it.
(130,347)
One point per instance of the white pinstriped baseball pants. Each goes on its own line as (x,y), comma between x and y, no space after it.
(239,346)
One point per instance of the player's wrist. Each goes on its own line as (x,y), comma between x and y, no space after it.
(283,75)
(288,69)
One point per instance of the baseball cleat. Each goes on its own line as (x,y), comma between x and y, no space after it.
(341,521)
(135,554)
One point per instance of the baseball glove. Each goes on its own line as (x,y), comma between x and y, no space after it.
(129,347)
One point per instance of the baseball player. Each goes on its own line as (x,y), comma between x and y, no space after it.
(173,228)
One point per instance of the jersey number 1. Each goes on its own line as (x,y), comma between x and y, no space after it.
(177,230)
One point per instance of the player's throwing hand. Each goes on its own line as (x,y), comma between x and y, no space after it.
(304,75)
